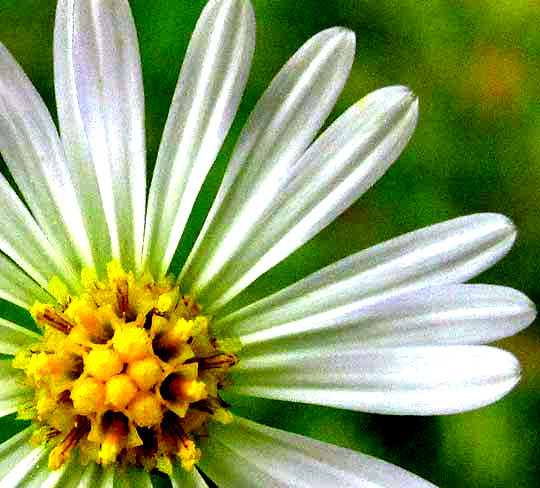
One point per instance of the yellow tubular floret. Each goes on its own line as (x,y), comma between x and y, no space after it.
(127,372)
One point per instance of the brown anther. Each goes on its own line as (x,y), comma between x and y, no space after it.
(50,433)
(173,426)
(122,297)
(190,306)
(202,406)
(56,320)
(64,397)
(62,452)
(220,360)
(210,404)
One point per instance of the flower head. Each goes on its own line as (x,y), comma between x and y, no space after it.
(127,374)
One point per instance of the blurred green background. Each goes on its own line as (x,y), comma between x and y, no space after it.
(475,68)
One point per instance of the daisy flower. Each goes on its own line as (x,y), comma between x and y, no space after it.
(127,373)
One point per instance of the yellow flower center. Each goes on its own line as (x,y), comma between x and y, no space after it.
(128,372)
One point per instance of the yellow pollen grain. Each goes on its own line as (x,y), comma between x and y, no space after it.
(103,363)
(189,390)
(41,365)
(145,372)
(189,455)
(119,391)
(181,332)
(88,395)
(145,409)
(132,343)
(110,448)
(86,316)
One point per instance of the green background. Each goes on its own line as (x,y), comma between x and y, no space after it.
(475,68)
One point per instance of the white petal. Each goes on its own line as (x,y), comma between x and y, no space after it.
(432,380)
(454,314)
(74,137)
(248,454)
(187,479)
(24,242)
(283,124)
(132,477)
(71,475)
(14,338)
(101,114)
(449,252)
(21,462)
(17,287)
(12,388)
(207,95)
(32,150)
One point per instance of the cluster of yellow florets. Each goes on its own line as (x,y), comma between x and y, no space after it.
(127,371)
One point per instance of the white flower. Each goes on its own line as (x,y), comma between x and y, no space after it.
(390,329)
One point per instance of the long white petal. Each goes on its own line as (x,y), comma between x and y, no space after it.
(32,150)
(74,138)
(432,380)
(248,454)
(20,460)
(14,338)
(187,479)
(132,477)
(24,242)
(211,82)
(97,70)
(449,252)
(283,124)
(12,388)
(454,314)
(17,287)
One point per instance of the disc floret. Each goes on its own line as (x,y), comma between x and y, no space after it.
(128,372)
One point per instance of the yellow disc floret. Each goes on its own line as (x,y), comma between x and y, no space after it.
(145,409)
(145,372)
(88,395)
(127,372)
(103,363)
(132,343)
(119,391)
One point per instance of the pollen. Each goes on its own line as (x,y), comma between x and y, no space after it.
(127,373)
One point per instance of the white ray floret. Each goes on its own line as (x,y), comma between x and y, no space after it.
(12,389)
(431,380)
(32,150)
(239,457)
(207,95)
(24,242)
(98,70)
(449,252)
(281,127)
(17,287)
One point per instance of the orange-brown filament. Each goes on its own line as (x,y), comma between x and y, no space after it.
(62,452)
(122,297)
(176,431)
(64,397)
(57,320)
(215,361)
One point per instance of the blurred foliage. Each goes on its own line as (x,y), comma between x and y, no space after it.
(475,67)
